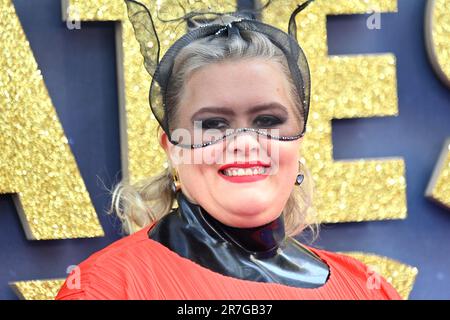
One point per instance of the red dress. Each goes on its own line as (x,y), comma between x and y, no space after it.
(137,267)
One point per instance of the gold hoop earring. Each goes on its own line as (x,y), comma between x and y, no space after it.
(300,176)
(176,185)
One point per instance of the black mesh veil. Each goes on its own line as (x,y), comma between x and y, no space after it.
(230,25)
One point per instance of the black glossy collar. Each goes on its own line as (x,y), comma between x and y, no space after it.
(262,254)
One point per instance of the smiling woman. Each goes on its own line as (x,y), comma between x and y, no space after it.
(235,101)
(238,86)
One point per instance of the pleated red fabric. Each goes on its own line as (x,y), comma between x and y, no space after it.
(137,268)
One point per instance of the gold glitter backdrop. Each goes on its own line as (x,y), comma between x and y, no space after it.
(36,163)
(349,86)
(37,289)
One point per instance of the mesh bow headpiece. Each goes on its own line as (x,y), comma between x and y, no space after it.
(230,25)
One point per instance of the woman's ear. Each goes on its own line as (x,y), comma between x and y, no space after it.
(167,146)
(164,141)
(174,153)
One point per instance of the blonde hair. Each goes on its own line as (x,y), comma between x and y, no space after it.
(149,200)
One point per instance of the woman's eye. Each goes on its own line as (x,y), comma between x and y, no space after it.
(214,124)
(267,121)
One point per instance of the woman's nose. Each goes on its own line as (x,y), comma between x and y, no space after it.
(243,142)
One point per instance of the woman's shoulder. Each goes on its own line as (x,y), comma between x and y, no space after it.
(341,261)
(349,269)
(121,246)
(104,274)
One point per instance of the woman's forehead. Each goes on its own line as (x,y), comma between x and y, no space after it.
(242,83)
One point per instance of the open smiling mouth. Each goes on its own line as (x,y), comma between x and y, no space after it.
(244,172)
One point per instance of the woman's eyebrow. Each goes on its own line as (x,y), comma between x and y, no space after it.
(218,110)
(251,110)
(268,106)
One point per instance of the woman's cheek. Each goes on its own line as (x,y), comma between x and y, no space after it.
(193,181)
(288,161)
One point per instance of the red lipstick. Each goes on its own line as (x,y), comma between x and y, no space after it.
(244,165)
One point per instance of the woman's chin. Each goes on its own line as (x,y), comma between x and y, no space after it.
(248,218)
(247,205)
(250,197)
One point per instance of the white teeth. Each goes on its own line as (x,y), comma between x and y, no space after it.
(232,172)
